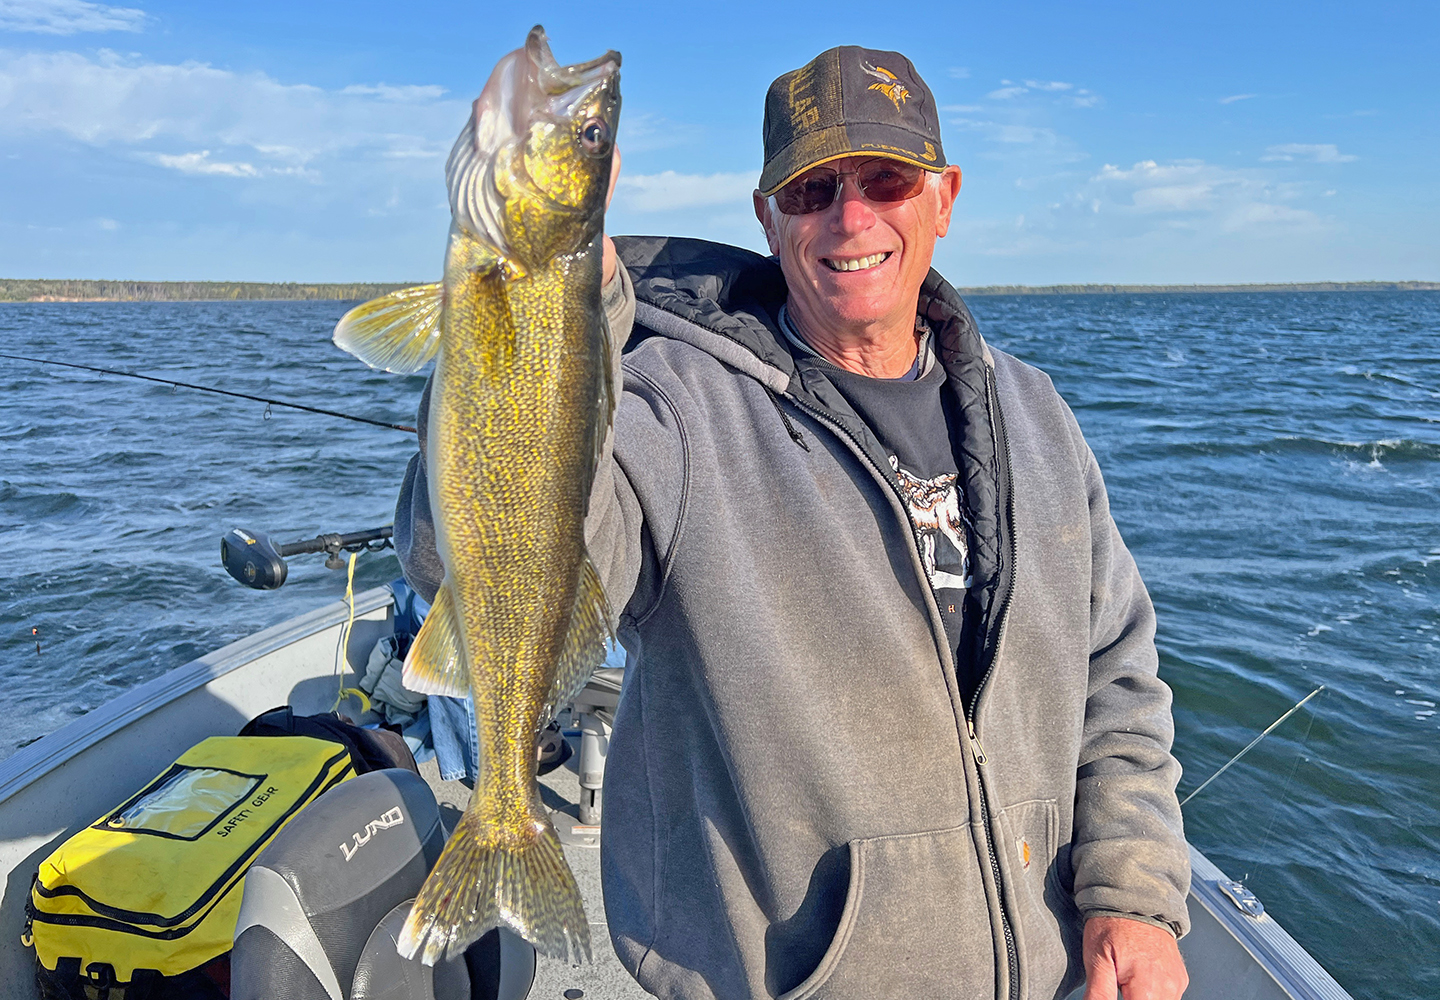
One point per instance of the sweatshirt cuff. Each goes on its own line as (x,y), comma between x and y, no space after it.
(1164,925)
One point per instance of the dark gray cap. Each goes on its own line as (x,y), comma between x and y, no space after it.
(848,101)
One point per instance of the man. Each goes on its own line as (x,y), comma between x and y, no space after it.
(891,724)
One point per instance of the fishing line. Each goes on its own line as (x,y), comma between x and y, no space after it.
(341,689)
(1251,745)
(1285,794)
(221,392)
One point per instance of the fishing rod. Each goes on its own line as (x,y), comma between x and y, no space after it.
(221,392)
(1271,728)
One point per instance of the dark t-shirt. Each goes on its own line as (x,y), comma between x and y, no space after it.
(910,419)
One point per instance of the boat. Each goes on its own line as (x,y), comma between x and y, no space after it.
(58,784)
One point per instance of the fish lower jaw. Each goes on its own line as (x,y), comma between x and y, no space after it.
(858,263)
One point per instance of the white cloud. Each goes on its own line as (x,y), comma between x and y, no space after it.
(254,124)
(1194,194)
(668,190)
(1236,97)
(959,72)
(67,17)
(388,93)
(1314,153)
(1065,94)
(200,163)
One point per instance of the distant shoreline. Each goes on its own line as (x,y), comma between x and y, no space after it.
(83,290)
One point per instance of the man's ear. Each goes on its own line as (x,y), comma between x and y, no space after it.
(767,221)
(949,189)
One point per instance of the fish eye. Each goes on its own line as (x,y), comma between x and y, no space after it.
(595,136)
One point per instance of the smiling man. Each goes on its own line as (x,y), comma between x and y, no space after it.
(891,725)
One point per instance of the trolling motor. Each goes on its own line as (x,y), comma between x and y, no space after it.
(253,559)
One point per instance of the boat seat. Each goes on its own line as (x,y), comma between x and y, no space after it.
(324,903)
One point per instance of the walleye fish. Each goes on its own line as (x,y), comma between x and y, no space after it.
(520,405)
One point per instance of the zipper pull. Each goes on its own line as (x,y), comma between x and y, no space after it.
(975,746)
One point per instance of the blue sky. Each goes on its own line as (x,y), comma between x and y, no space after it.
(1217,142)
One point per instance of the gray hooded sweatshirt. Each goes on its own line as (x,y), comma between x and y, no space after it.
(800,801)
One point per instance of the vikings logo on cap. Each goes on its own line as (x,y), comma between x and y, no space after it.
(889,84)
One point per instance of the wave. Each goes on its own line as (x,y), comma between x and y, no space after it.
(36,505)
(1381,451)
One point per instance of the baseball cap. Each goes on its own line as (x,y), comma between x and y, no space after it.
(848,101)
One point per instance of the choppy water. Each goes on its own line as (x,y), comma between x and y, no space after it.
(1273,461)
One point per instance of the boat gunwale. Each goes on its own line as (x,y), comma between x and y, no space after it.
(31,763)
(1272,947)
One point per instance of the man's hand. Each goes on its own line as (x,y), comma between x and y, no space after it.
(1139,958)
(608,249)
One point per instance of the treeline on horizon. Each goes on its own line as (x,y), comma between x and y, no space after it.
(84,290)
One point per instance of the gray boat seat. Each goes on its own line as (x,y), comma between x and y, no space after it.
(323,905)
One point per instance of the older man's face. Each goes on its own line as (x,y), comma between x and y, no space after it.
(857,266)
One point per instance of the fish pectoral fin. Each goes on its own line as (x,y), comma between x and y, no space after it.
(584,648)
(398,332)
(434,664)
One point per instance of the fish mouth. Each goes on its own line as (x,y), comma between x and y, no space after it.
(857,263)
(556,79)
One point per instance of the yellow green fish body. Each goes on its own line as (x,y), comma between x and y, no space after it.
(520,404)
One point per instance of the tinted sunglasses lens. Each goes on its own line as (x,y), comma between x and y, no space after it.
(812,192)
(890,180)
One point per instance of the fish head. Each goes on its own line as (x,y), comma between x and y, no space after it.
(530,172)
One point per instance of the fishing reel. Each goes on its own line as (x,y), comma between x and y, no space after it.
(257,562)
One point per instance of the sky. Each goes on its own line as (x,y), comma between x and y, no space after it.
(1120,142)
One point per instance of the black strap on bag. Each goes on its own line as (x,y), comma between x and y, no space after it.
(210,981)
(370,749)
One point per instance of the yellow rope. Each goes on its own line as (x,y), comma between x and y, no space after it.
(342,690)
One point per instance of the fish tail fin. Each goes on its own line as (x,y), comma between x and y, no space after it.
(487,879)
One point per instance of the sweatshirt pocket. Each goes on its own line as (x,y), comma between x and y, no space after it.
(915,923)
(1046,934)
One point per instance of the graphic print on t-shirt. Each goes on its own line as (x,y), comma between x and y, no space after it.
(935,506)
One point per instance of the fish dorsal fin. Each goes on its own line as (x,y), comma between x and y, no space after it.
(585,644)
(435,664)
(398,332)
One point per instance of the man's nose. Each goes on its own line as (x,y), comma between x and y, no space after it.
(851,212)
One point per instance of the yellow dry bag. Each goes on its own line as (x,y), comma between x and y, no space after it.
(154,885)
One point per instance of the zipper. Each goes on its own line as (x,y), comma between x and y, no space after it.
(993,646)
(1011,953)
(997,422)
(975,746)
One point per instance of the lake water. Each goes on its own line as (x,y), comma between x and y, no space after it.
(1273,462)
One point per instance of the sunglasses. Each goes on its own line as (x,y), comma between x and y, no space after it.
(880,180)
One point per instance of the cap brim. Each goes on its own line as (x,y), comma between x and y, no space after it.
(841,141)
